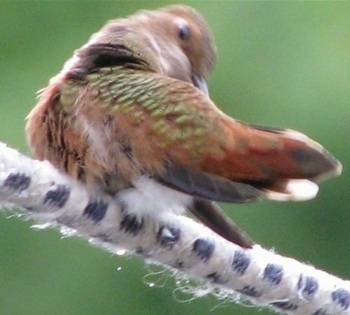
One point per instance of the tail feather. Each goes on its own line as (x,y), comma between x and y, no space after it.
(283,164)
(259,162)
(312,160)
(292,190)
(298,164)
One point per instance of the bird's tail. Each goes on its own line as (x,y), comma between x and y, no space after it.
(283,164)
(294,166)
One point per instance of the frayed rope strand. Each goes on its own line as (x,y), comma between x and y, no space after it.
(264,278)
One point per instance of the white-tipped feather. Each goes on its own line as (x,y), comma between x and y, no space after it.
(295,190)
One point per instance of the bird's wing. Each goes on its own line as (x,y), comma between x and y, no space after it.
(167,128)
(212,216)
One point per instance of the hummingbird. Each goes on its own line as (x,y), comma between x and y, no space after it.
(130,115)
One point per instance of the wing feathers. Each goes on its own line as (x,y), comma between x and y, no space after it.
(208,186)
(212,216)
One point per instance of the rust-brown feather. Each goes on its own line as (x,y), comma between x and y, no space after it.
(129,104)
(160,120)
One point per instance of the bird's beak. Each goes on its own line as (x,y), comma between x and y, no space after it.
(200,83)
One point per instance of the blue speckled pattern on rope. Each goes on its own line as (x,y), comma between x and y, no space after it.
(258,275)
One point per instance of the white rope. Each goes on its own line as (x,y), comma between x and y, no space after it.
(177,242)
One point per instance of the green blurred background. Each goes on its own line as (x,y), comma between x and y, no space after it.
(284,64)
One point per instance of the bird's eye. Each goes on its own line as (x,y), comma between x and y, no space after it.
(184,31)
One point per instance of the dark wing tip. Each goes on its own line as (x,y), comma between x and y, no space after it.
(213,217)
(208,186)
